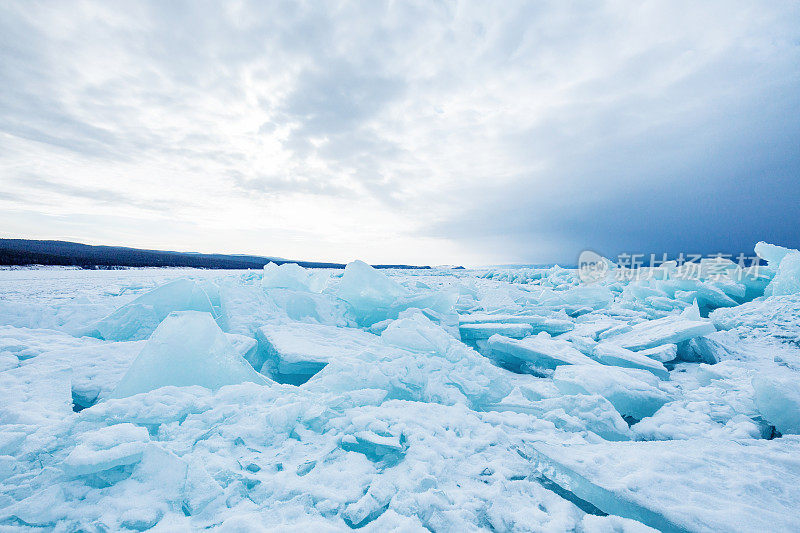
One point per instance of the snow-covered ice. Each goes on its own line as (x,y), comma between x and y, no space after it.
(507,399)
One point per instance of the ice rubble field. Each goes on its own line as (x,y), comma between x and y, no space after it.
(439,400)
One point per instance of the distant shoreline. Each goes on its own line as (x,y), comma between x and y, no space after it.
(29,253)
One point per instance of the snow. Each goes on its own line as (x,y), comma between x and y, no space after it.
(401,400)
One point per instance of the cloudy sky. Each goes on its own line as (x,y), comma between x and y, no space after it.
(419,132)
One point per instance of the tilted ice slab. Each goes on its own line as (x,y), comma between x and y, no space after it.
(297,351)
(187,348)
(541,351)
(538,323)
(668,330)
(611,354)
(632,392)
(475,332)
(698,485)
(662,354)
(139,318)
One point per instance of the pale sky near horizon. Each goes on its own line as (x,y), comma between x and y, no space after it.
(415,132)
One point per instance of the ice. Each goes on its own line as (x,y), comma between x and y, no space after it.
(580,412)
(311,307)
(712,485)
(138,319)
(774,318)
(787,278)
(417,361)
(393,410)
(368,291)
(778,399)
(538,323)
(771,253)
(540,352)
(475,332)
(294,352)
(247,347)
(611,354)
(634,393)
(668,330)
(187,348)
(414,330)
(663,354)
(286,276)
(95,369)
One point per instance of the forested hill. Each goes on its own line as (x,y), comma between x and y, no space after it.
(35,252)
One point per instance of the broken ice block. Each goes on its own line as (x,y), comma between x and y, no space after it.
(285,276)
(696,485)
(476,332)
(552,325)
(611,354)
(664,353)
(771,253)
(668,330)
(187,348)
(139,318)
(368,291)
(787,279)
(373,445)
(778,401)
(311,307)
(247,347)
(540,351)
(632,392)
(296,351)
(416,332)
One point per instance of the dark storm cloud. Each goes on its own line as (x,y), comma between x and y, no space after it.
(521,131)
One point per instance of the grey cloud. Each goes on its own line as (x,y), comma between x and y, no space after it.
(98,195)
(685,141)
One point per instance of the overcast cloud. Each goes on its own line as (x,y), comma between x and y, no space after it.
(418,132)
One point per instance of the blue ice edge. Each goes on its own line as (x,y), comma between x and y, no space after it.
(604,500)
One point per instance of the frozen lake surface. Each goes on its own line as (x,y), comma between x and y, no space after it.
(508,399)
